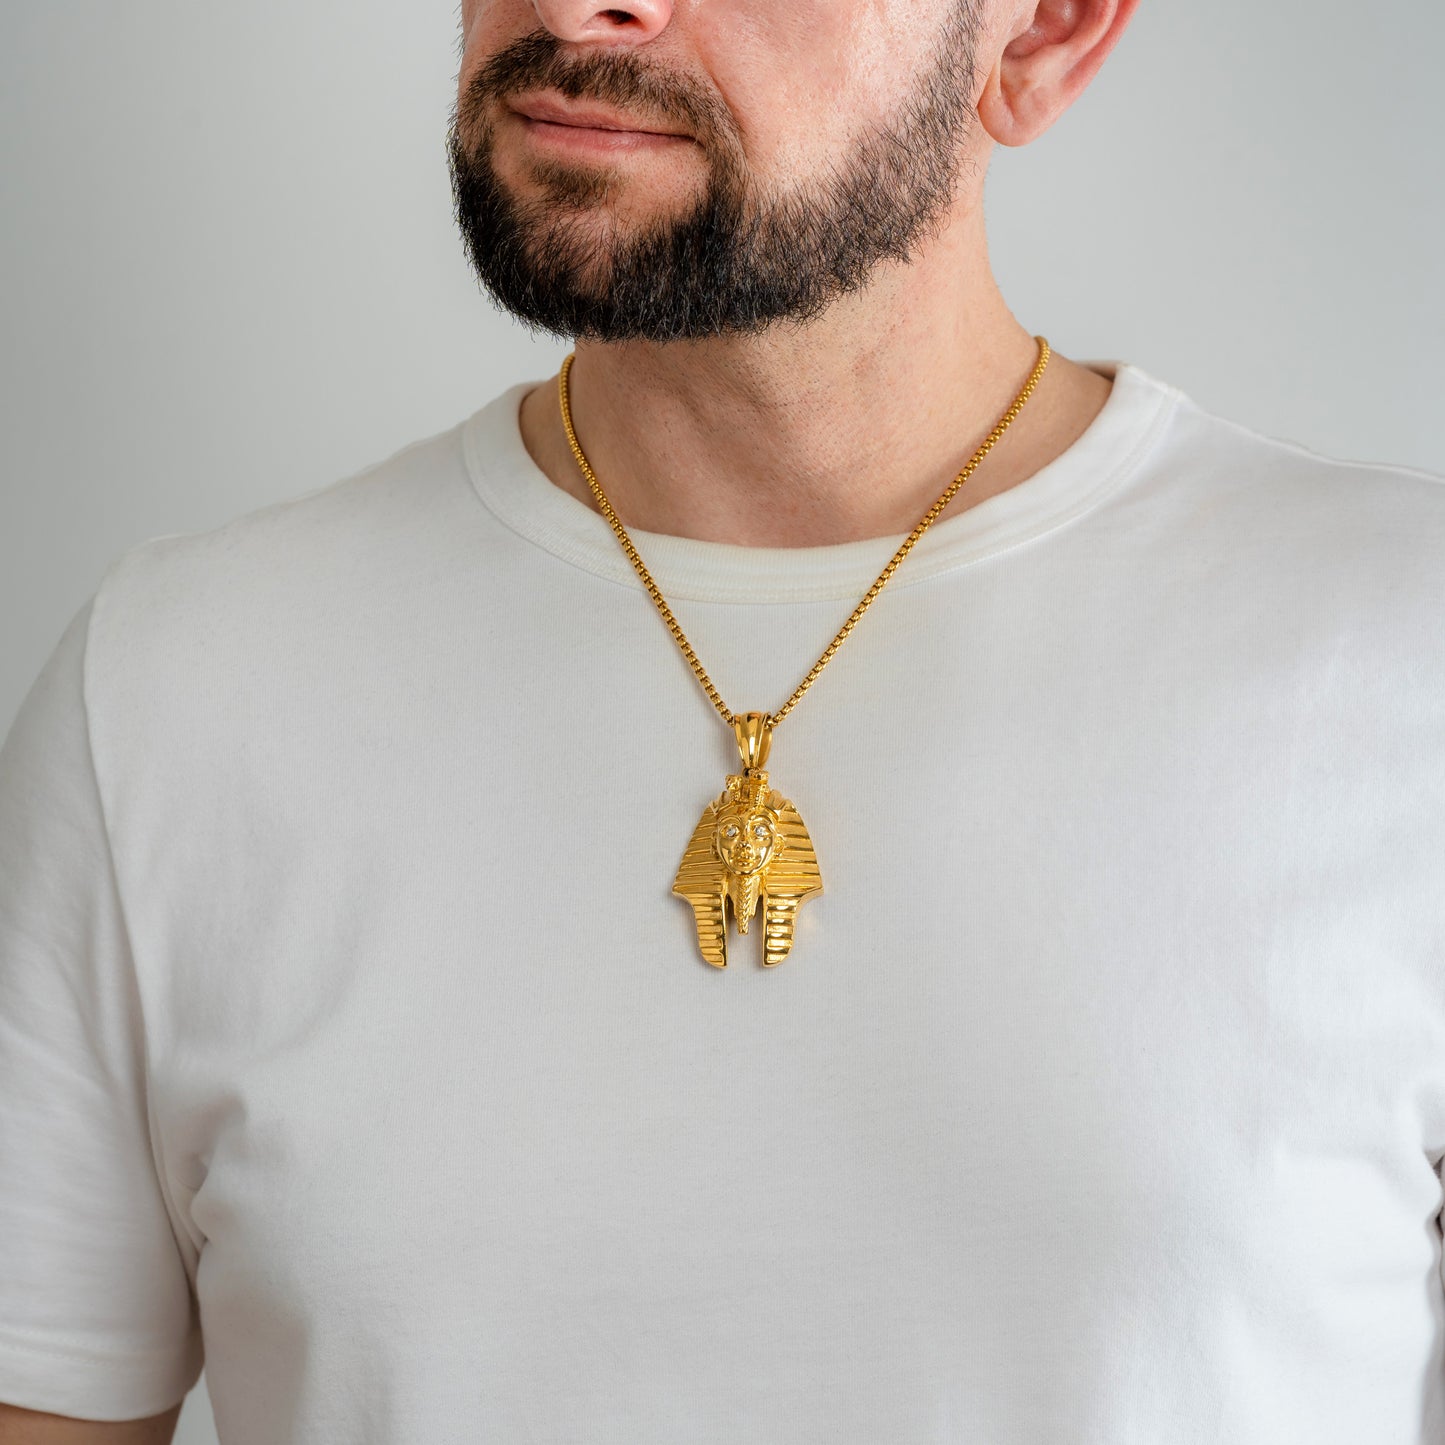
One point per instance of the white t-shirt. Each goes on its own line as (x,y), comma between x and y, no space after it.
(349,1021)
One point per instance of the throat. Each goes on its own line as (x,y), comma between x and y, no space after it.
(699,482)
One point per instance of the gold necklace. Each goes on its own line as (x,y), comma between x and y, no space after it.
(750,842)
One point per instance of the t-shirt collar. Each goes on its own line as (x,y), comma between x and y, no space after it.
(1102,459)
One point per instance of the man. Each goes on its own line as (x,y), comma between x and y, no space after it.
(377,1013)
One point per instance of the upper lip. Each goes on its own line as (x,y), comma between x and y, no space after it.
(570,112)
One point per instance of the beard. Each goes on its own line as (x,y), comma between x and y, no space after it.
(744,257)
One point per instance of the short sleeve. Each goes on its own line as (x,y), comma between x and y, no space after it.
(97,1314)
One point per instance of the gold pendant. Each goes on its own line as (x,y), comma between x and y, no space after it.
(749,843)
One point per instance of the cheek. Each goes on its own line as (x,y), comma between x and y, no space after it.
(802,77)
(785,72)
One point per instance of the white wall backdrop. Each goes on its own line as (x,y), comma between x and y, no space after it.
(228,272)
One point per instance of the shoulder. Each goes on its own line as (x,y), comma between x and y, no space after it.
(208,631)
(1224,458)
(1253,505)
(279,566)
(318,535)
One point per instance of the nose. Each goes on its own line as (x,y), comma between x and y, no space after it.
(639,22)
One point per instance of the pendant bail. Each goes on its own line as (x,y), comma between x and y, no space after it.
(755,737)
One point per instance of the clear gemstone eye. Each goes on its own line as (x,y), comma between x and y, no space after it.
(730,831)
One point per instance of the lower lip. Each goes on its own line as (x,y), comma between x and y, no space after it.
(587,138)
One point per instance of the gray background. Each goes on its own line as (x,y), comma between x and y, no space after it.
(228,272)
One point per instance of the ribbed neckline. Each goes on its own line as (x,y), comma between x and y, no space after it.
(1101,459)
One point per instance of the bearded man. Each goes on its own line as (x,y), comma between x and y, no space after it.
(380,1020)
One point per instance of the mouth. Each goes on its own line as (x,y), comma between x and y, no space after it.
(554,121)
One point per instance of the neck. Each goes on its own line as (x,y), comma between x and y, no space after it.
(845,428)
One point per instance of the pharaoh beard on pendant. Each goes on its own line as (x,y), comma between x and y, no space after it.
(749,844)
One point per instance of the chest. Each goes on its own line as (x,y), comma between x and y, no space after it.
(1114,1038)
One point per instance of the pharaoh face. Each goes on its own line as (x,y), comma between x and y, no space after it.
(746,839)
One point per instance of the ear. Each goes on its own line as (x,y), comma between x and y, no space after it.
(1054,48)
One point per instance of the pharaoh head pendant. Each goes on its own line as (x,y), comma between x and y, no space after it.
(749,845)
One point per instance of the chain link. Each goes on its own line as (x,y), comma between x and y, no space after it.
(928,517)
